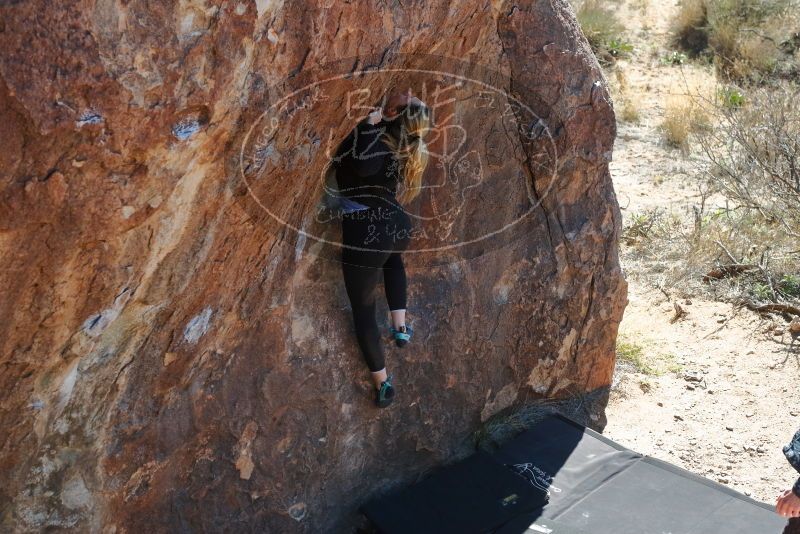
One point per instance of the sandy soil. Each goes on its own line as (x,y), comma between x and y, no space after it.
(723,398)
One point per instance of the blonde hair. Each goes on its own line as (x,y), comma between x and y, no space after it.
(405,138)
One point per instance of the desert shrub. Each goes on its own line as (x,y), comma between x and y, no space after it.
(789,285)
(748,40)
(744,249)
(630,110)
(730,254)
(741,256)
(689,28)
(682,116)
(730,96)
(755,153)
(603,30)
(618,48)
(675,125)
(639,226)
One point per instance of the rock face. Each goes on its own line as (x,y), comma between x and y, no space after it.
(176,343)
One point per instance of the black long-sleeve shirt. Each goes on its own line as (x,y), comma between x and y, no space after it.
(366,168)
(792,453)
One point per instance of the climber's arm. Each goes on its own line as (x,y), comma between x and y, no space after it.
(792,453)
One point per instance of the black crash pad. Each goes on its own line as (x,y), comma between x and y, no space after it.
(598,486)
(583,482)
(474,495)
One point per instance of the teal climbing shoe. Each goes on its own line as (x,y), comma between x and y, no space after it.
(402,336)
(385,393)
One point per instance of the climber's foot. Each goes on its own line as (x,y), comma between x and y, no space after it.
(385,394)
(402,335)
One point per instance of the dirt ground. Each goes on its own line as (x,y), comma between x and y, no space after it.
(716,391)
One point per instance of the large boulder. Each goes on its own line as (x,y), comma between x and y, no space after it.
(176,343)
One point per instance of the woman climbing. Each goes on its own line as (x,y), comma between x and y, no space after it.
(384,152)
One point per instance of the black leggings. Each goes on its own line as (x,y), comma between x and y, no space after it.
(373,242)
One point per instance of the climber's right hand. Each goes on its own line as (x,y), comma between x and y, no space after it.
(788,504)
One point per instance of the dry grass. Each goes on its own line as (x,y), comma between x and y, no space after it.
(643,358)
(580,406)
(684,112)
(751,153)
(678,255)
(748,40)
(628,108)
(603,30)
(676,125)
(630,111)
(749,208)
(682,117)
(741,244)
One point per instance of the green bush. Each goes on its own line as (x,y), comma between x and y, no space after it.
(619,48)
(730,97)
(789,285)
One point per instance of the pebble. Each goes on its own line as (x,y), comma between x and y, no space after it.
(729,428)
(692,376)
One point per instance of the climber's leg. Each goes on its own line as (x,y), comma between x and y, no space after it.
(398,318)
(395,286)
(379,377)
(360,282)
(362,270)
